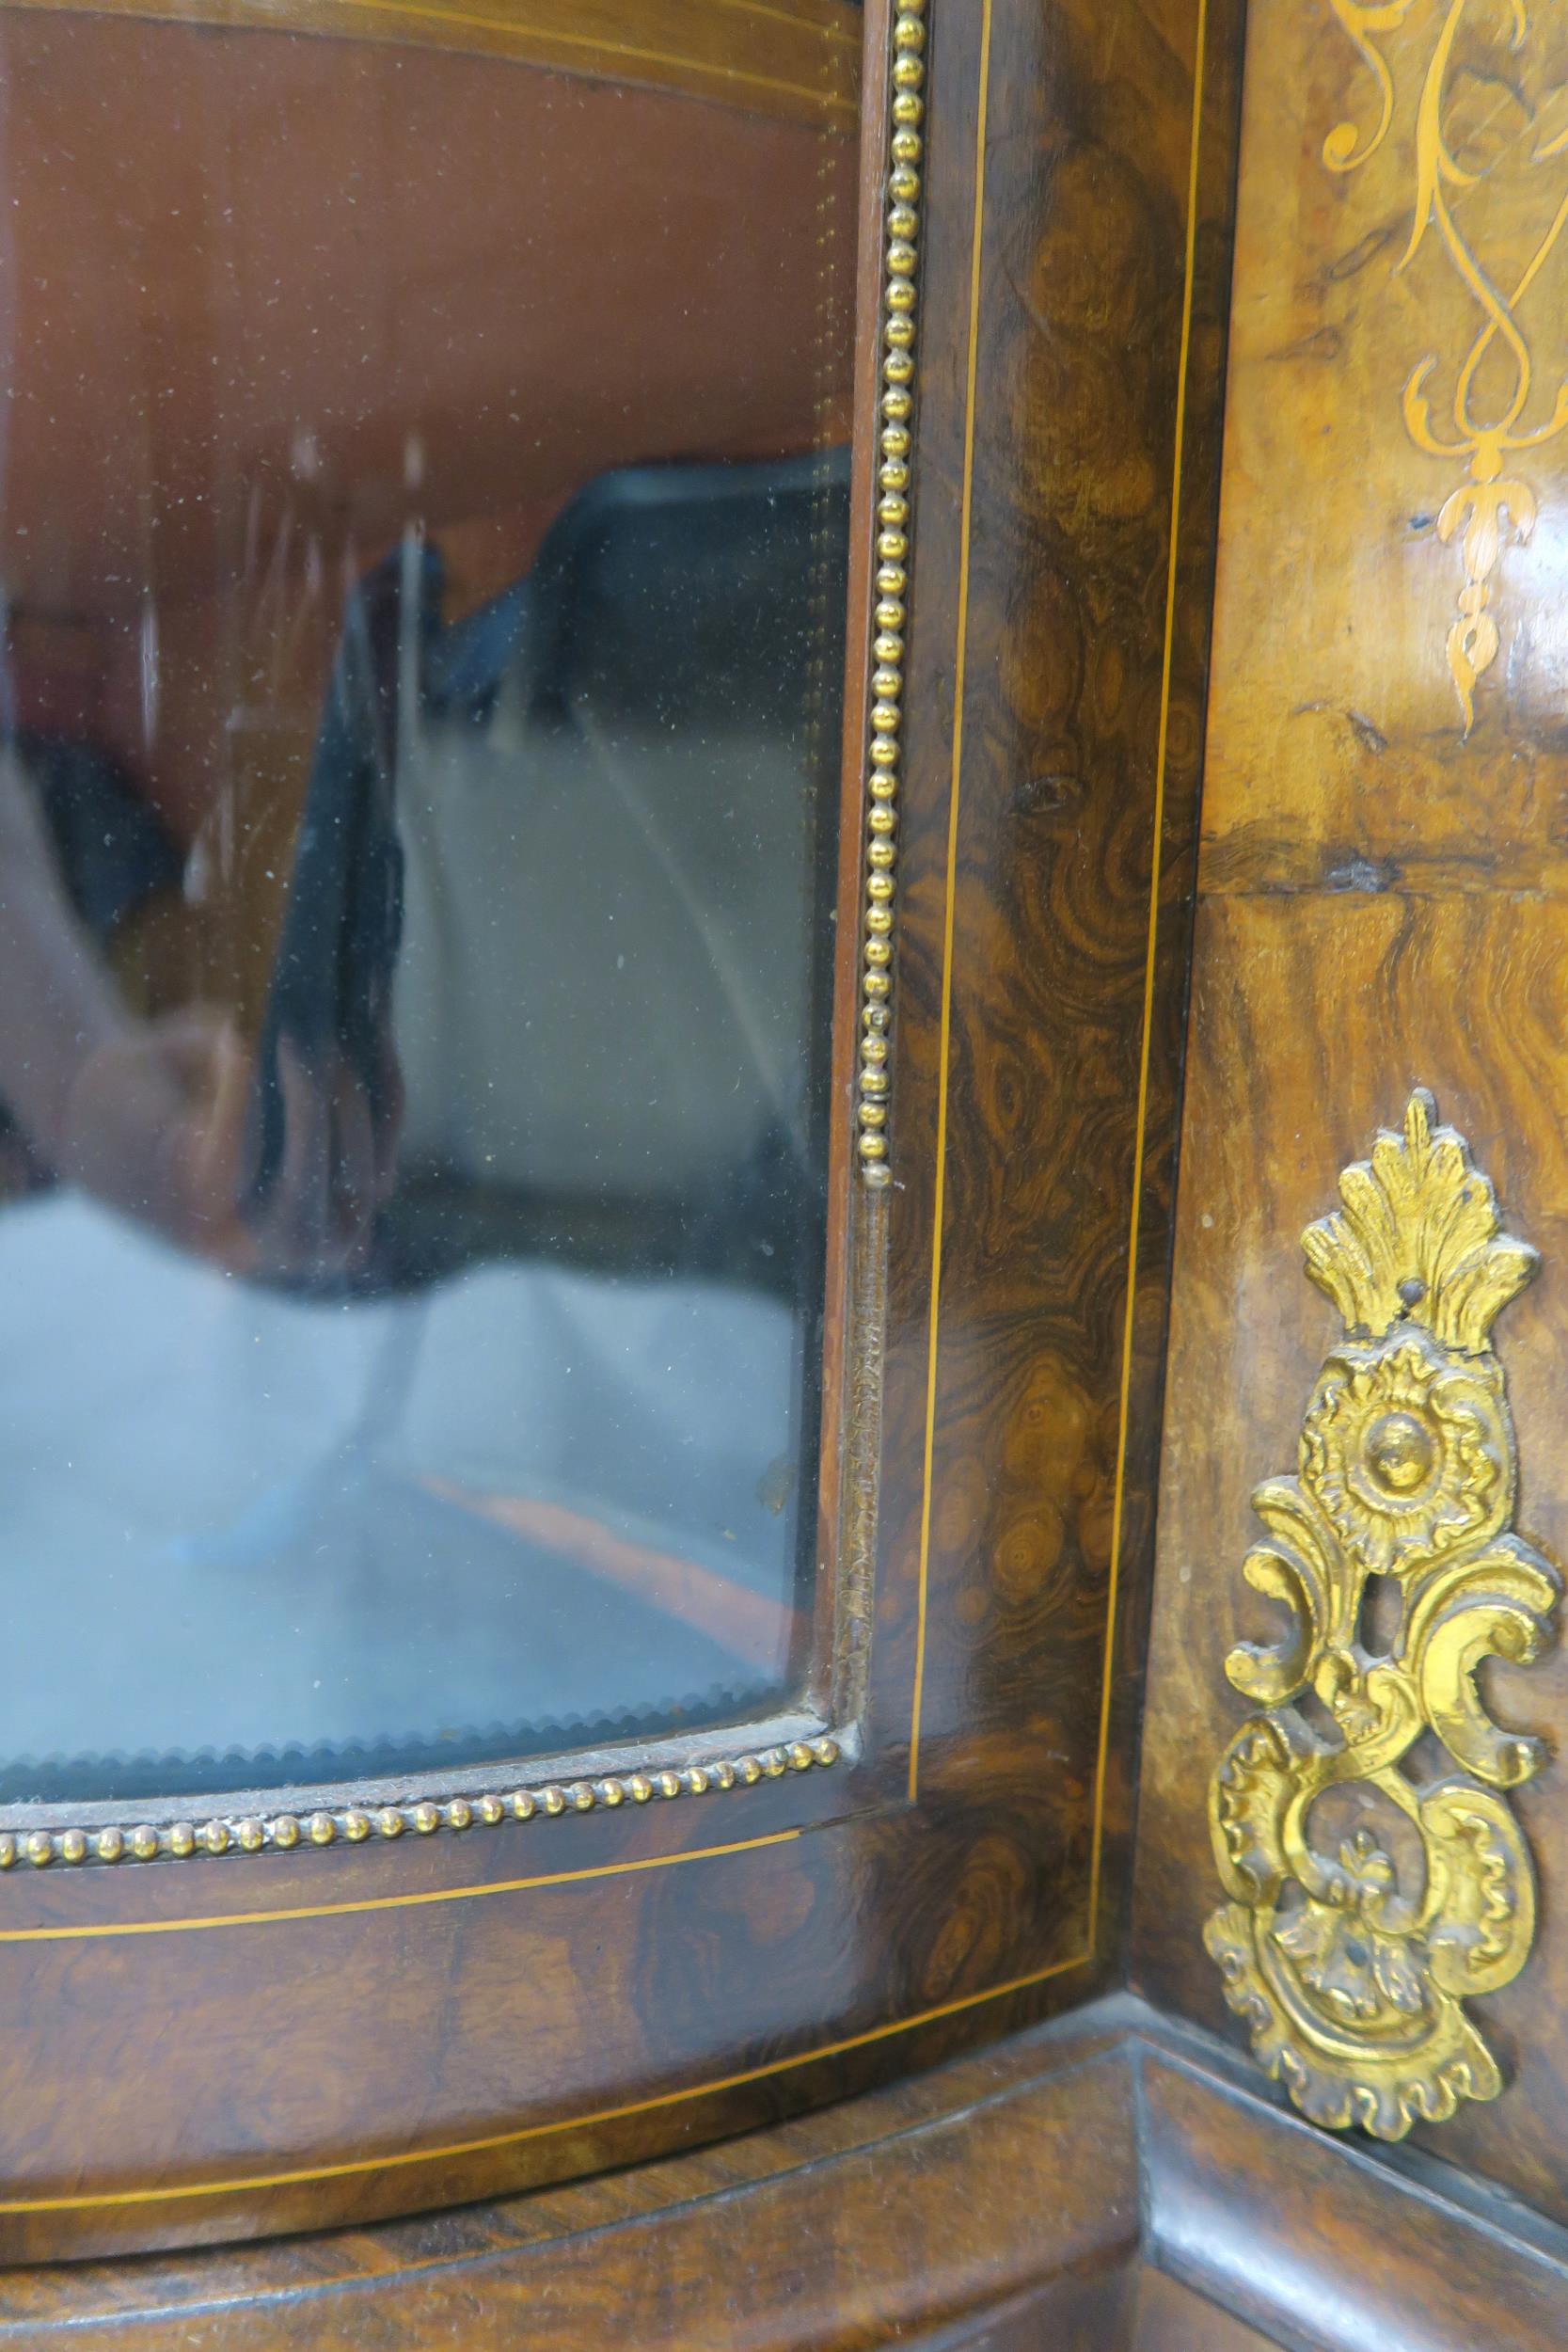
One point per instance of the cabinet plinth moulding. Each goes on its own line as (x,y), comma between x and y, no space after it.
(1369,1898)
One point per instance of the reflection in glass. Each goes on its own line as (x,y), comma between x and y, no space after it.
(422,537)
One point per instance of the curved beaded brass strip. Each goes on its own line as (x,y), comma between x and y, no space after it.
(900,264)
(180,1841)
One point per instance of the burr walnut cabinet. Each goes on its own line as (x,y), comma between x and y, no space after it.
(783,1200)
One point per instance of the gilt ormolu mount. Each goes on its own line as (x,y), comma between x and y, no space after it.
(1352,1964)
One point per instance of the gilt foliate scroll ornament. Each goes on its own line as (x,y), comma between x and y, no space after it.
(1352,1966)
(1494,409)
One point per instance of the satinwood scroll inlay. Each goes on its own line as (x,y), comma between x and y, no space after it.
(1490,407)
(1366,1900)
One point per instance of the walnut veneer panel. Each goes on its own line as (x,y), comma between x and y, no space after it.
(1380,906)
(1105,2185)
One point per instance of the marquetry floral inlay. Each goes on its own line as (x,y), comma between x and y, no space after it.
(1494,412)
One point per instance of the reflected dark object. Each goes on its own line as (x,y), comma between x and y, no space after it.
(673,613)
(331,997)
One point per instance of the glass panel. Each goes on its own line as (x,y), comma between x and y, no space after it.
(422,537)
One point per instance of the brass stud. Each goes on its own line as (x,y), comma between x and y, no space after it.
(215,1836)
(826,1750)
(908,109)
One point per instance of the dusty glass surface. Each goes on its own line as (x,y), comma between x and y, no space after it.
(422,540)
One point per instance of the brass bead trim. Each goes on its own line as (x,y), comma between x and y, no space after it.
(896,410)
(182,1842)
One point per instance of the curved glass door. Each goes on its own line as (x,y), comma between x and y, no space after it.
(423,527)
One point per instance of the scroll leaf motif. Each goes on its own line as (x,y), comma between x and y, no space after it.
(1486,430)
(1343,149)
(1353,1982)
(1420,1239)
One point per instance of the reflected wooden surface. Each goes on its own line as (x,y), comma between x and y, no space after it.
(797,59)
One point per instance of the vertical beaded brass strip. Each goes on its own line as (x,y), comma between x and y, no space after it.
(906,150)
